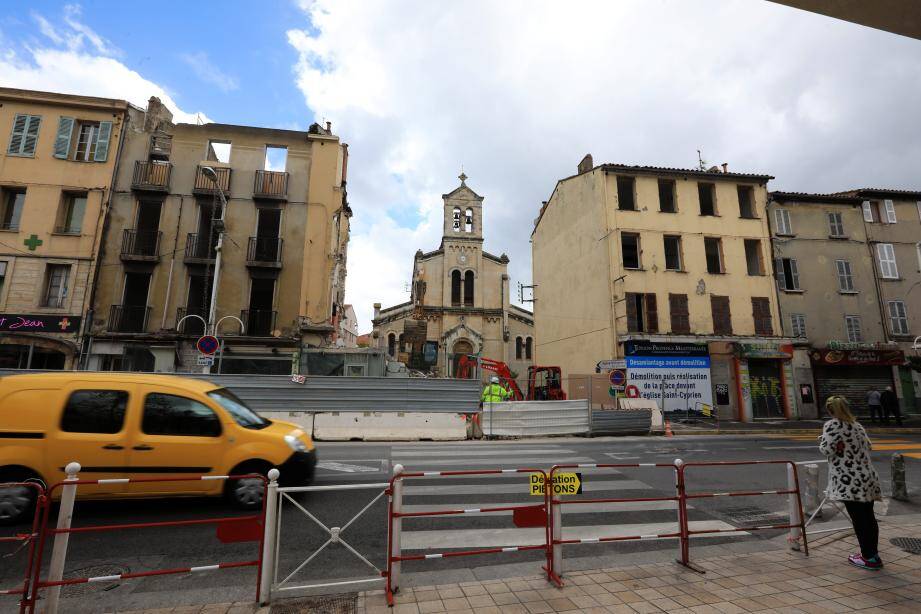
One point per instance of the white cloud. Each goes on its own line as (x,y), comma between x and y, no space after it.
(206,70)
(518,92)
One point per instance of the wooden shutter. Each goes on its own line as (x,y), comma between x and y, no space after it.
(102,142)
(867,212)
(761,313)
(632,320)
(678,308)
(722,318)
(890,212)
(24,136)
(652,313)
(62,138)
(778,273)
(30,139)
(18,134)
(794,274)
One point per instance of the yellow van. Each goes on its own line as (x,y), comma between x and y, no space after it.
(124,425)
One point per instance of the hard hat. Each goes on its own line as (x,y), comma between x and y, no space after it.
(494,379)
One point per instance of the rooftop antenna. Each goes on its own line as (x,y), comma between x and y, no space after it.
(700,161)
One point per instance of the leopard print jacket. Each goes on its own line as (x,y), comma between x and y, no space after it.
(851,475)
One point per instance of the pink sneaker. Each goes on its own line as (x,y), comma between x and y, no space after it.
(873,564)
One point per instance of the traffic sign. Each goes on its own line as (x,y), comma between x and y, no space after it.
(633,392)
(607,365)
(614,391)
(563,484)
(618,378)
(208,344)
(205,360)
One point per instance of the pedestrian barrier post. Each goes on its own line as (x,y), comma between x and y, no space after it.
(62,536)
(269,533)
(31,539)
(795,508)
(899,489)
(394,532)
(811,500)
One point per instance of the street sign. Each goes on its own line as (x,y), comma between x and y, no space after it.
(614,391)
(633,392)
(618,378)
(208,344)
(563,484)
(205,360)
(607,365)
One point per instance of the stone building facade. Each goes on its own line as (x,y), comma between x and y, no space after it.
(460,301)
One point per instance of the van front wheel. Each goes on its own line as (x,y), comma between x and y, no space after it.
(247,493)
(17,502)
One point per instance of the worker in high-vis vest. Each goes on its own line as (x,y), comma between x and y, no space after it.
(494,392)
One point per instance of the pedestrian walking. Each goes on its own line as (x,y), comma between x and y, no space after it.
(890,403)
(852,479)
(874,403)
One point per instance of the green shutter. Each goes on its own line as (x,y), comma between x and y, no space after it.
(62,140)
(19,130)
(102,142)
(31,136)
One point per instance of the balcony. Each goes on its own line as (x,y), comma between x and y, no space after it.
(128,318)
(264,252)
(151,176)
(205,187)
(258,322)
(141,245)
(198,250)
(270,185)
(192,326)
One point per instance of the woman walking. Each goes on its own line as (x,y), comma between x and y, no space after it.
(852,479)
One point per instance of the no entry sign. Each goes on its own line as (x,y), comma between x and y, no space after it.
(208,344)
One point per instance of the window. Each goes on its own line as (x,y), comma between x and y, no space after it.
(94,411)
(782,225)
(722,317)
(854,331)
(713,248)
(678,309)
(167,414)
(746,201)
(218,151)
(392,345)
(71,216)
(13,202)
(468,289)
(753,259)
(787,274)
(667,196)
(528,348)
(835,225)
(3,265)
(898,318)
(642,316)
(798,324)
(761,314)
(86,141)
(845,278)
(625,195)
(672,253)
(890,211)
(876,213)
(885,254)
(241,414)
(456,219)
(630,250)
(276,158)
(468,220)
(55,285)
(519,348)
(456,288)
(24,135)
(92,140)
(706,193)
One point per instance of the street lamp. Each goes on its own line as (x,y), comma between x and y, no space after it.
(211,174)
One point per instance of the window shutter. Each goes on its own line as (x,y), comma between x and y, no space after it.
(890,212)
(62,139)
(794,274)
(18,134)
(778,273)
(761,314)
(867,212)
(102,143)
(31,136)
(678,308)
(885,253)
(652,314)
(778,221)
(632,323)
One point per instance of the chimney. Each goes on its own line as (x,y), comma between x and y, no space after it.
(586,164)
(377,310)
(725,166)
(329,127)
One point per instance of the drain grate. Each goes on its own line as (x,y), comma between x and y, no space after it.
(93,571)
(754,515)
(911,545)
(323,604)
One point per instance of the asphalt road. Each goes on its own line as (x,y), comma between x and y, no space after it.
(371,463)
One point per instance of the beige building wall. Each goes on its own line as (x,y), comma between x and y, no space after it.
(43,164)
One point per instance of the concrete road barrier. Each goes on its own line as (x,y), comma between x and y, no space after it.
(378,426)
(303,419)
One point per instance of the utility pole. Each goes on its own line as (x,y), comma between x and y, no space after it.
(218,224)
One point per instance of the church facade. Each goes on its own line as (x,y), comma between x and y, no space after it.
(460,301)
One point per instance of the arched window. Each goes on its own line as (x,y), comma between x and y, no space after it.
(468,220)
(528,347)
(457,220)
(468,289)
(400,347)
(519,345)
(455,288)
(392,345)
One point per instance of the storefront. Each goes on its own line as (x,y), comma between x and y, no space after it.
(851,373)
(38,341)
(764,377)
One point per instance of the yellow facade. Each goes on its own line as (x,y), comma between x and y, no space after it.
(60,152)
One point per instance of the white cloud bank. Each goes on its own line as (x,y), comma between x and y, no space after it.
(518,92)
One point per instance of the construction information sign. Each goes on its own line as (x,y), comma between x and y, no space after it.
(563,484)
(674,375)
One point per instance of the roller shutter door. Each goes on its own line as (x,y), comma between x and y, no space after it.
(852,383)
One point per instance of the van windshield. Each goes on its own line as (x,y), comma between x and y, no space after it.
(242,414)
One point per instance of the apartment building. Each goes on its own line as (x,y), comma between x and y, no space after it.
(262,211)
(669,268)
(56,172)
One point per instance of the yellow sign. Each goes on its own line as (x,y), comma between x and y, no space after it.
(563,484)
(706,410)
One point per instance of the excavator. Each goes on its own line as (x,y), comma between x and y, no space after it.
(544,383)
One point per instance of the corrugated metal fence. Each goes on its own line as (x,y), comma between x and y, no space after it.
(523,418)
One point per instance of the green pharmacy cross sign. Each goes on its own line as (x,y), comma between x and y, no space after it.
(32,242)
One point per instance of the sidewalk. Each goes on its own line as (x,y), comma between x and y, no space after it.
(778,580)
(911,424)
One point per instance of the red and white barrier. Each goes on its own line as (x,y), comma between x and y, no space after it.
(29,538)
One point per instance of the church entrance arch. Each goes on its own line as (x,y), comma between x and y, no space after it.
(461,347)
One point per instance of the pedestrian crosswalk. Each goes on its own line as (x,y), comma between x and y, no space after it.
(908,448)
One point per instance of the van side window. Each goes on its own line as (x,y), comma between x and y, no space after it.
(167,414)
(94,411)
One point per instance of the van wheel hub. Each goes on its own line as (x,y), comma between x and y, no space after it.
(248,491)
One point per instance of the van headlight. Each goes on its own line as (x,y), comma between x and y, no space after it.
(295,443)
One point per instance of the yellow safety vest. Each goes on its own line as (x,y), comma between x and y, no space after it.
(494,393)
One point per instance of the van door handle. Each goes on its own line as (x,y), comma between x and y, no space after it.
(113,446)
(142,447)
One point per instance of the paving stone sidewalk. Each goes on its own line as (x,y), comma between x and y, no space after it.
(775,580)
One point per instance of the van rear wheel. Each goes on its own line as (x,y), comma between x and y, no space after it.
(17,502)
(247,493)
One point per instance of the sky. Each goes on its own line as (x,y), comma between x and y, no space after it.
(515,93)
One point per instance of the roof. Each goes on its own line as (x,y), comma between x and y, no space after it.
(59,378)
(665,170)
(522,310)
(804,197)
(881,193)
(57,98)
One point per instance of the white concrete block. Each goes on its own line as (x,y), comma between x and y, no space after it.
(303,419)
(387,426)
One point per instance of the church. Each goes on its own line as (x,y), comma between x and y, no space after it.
(460,302)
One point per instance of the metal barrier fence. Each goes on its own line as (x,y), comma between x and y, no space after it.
(25,540)
(534,418)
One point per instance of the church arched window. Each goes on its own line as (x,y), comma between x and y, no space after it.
(519,346)
(468,220)
(457,219)
(528,348)
(468,289)
(455,288)
(392,345)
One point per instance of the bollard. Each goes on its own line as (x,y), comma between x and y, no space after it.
(269,543)
(684,545)
(796,512)
(556,527)
(899,488)
(811,498)
(59,550)
(396,524)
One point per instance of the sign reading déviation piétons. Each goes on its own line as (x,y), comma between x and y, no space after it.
(674,375)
